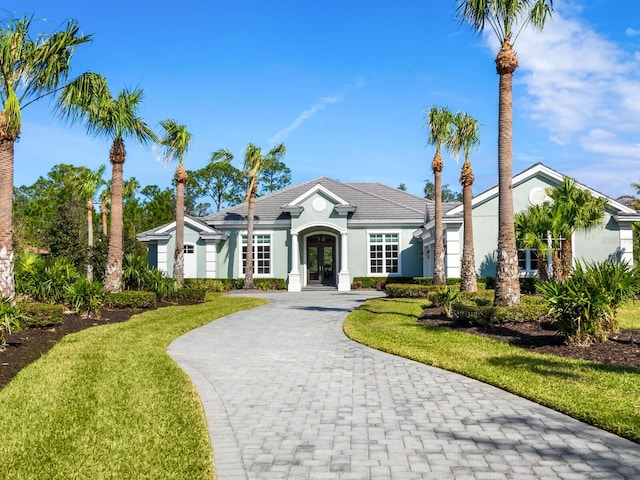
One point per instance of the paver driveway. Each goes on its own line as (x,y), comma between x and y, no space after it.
(287,395)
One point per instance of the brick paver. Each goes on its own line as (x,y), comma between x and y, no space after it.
(288,396)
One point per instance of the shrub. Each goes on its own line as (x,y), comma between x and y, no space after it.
(11,318)
(209,285)
(480,310)
(38,315)
(585,305)
(378,282)
(158,282)
(190,293)
(130,299)
(55,278)
(85,296)
(270,283)
(446,298)
(27,268)
(134,271)
(407,290)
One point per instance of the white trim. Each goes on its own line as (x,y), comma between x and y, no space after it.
(163,256)
(192,258)
(332,226)
(271,251)
(315,189)
(529,173)
(187,221)
(211,260)
(305,249)
(383,232)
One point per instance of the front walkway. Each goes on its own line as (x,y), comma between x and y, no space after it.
(288,396)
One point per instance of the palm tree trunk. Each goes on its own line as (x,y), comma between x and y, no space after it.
(468,281)
(566,256)
(178,255)
(103,215)
(113,276)
(438,246)
(7,281)
(507,271)
(248,277)
(89,238)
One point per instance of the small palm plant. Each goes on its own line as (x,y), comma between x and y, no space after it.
(446,298)
(10,318)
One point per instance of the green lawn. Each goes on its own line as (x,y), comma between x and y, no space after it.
(629,315)
(602,395)
(109,403)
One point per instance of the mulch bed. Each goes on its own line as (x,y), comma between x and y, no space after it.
(623,347)
(26,346)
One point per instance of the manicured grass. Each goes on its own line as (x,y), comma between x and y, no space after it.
(602,395)
(629,315)
(108,402)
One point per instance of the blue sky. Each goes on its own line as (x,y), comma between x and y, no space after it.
(344,85)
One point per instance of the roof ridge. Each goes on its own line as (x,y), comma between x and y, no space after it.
(353,185)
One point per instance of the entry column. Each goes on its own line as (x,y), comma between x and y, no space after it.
(294,274)
(344,279)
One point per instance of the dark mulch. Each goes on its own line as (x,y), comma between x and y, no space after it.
(623,347)
(26,346)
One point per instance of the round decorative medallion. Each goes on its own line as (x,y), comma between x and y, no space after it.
(319,204)
(537,196)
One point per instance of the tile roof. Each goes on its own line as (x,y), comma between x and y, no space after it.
(373,202)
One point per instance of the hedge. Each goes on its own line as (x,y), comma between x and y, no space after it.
(531,309)
(39,315)
(130,299)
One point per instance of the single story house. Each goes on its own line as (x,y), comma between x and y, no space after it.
(326,232)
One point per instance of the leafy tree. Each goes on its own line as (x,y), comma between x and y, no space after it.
(159,206)
(220,180)
(503,16)
(175,143)
(255,164)
(465,136)
(31,68)
(448,195)
(402,187)
(276,177)
(89,100)
(439,124)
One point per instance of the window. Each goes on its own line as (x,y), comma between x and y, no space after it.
(383,253)
(528,260)
(188,249)
(261,254)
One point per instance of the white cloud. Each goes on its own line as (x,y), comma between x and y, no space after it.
(632,32)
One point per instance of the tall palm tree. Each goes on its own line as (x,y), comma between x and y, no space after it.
(175,143)
(89,100)
(503,16)
(439,124)
(465,136)
(254,165)
(30,69)
(88,185)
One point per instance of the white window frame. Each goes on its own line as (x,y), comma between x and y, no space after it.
(398,234)
(527,271)
(241,236)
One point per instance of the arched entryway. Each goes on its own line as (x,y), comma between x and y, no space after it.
(321,260)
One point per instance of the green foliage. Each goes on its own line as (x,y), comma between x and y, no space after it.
(11,318)
(270,283)
(407,290)
(130,299)
(479,310)
(54,279)
(209,285)
(85,296)
(446,298)
(448,195)
(585,305)
(38,315)
(378,282)
(160,283)
(190,293)
(134,271)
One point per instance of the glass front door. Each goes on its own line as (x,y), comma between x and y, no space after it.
(321,260)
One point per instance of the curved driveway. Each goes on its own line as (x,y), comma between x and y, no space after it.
(288,396)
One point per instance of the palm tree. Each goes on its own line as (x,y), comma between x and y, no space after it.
(254,165)
(176,142)
(465,136)
(503,16)
(439,124)
(30,69)
(88,185)
(534,227)
(105,200)
(89,100)
(578,210)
